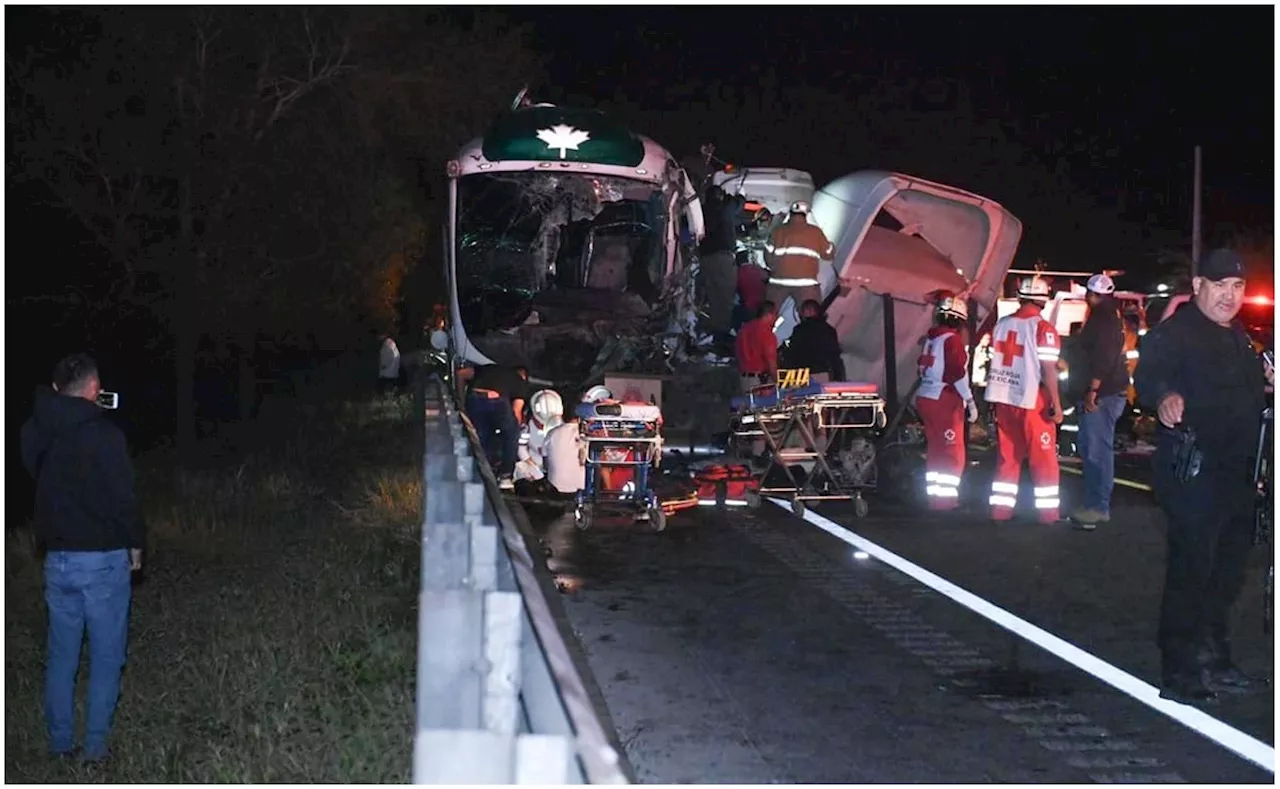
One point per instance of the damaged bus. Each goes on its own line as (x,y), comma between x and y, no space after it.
(569,245)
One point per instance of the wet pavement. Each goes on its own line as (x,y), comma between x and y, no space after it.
(748,646)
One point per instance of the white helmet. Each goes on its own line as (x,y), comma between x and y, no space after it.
(1101,283)
(1033,288)
(597,394)
(800,207)
(954,307)
(546,406)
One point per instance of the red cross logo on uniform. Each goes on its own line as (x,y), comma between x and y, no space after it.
(1008,348)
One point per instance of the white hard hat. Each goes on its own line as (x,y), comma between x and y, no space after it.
(546,406)
(597,394)
(800,207)
(955,307)
(1033,288)
(1101,283)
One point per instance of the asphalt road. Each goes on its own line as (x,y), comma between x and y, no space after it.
(748,646)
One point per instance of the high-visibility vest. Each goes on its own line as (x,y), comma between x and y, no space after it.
(936,365)
(1019,344)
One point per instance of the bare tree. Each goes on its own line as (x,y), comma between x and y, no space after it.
(259,164)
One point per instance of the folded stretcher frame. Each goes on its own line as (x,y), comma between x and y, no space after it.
(825,418)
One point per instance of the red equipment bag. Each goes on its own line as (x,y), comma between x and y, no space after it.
(732,482)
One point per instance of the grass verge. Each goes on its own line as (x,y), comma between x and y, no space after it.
(273,635)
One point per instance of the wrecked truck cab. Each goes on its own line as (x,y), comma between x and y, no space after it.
(565,233)
(899,240)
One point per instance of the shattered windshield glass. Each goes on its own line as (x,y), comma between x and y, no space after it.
(525,239)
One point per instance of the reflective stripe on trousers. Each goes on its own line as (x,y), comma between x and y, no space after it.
(943,486)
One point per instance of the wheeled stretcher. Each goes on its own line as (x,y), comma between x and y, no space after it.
(623,447)
(826,429)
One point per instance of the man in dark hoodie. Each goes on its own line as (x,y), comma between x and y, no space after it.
(88,519)
(1104,379)
(815,345)
(716,260)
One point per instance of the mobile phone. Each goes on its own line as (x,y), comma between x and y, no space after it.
(108,400)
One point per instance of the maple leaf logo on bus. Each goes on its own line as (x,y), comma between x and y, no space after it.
(564,137)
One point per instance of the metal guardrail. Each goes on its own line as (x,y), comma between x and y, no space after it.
(499,699)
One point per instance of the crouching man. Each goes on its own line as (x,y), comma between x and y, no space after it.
(564,456)
(546,412)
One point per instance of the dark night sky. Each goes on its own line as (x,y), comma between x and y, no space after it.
(1149,83)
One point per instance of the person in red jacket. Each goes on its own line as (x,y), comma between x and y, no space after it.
(943,399)
(753,282)
(757,348)
(757,351)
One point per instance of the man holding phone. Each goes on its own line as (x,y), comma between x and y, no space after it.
(88,519)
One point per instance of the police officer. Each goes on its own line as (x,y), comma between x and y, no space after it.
(1198,372)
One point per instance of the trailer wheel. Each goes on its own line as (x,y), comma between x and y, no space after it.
(583,517)
(657,519)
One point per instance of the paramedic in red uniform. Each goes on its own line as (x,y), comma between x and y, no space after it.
(795,250)
(757,350)
(943,400)
(1022,387)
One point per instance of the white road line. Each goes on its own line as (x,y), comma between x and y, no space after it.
(1232,739)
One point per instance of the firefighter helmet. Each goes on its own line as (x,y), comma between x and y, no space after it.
(546,406)
(954,307)
(800,207)
(1033,288)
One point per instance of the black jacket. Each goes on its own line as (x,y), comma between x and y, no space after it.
(1098,352)
(502,379)
(85,499)
(814,344)
(721,214)
(1219,376)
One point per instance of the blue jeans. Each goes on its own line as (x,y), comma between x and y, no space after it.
(1096,443)
(488,416)
(85,588)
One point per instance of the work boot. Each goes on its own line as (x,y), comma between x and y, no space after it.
(506,483)
(1088,519)
(1188,687)
(1222,675)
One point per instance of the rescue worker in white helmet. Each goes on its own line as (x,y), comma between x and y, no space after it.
(943,399)
(546,412)
(795,250)
(564,452)
(1022,386)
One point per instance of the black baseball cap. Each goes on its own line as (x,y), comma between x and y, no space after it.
(1220,264)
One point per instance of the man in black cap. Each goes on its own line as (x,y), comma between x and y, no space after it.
(1204,381)
(815,345)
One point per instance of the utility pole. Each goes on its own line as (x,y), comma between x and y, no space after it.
(1195,215)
